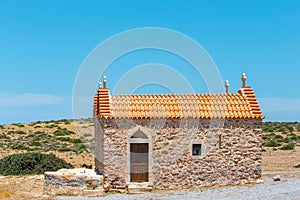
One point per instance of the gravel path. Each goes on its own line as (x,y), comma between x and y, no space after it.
(286,189)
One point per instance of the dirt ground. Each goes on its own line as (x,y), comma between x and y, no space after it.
(283,161)
(22,187)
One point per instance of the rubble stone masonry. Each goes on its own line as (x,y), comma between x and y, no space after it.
(231,153)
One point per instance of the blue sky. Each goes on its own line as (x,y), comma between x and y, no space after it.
(44,43)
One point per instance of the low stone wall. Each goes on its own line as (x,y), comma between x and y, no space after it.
(73,182)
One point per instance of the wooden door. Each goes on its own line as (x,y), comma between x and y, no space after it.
(139,162)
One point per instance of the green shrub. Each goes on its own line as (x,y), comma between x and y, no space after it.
(287,147)
(297,166)
(2,127)
(19,125)
(53,147)
(16,132)
(264,137)
(63,132)
(38,126)
(64,139)
(290,128)
(42,135)
(281,130)
(52,126)
(31,163)
(272,143)
(286,140)
(295,137)
(76,140)
(64,145)
(267,128)
(67,122)
(4,136)
(17,146)
(35,143)
(79,148)
(64,149)
(278,137)
(20,132)
(268,136)
(87,135)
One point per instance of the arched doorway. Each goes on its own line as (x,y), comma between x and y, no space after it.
(139,156)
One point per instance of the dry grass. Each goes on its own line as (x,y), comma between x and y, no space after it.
(22,187)
(6,193)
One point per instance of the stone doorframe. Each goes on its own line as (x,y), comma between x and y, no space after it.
(139,140)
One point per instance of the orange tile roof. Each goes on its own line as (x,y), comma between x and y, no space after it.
(240,105)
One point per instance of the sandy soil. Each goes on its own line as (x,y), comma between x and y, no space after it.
(281,160)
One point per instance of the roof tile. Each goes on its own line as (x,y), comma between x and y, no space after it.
(240,105)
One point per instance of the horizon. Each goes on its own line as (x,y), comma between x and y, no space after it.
(44,44)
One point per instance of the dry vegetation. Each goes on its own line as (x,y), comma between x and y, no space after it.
(73,141)
(281,146)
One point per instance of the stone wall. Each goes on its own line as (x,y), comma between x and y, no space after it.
(230,154)
(74,182)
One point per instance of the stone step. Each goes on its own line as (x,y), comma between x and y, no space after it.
(139,188)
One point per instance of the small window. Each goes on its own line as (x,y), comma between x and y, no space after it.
(196,149)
